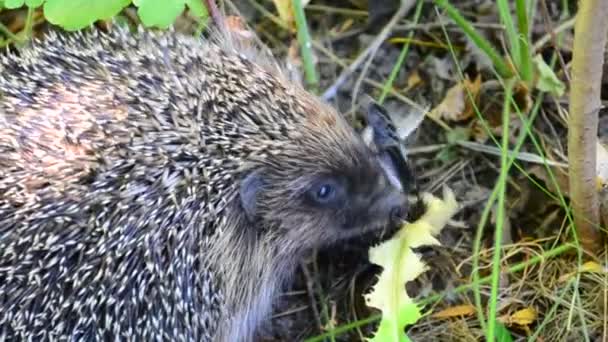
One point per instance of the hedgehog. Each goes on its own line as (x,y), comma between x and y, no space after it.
(158,186)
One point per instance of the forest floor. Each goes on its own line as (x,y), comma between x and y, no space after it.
(546,300)
(545,292)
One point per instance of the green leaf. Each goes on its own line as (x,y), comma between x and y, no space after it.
(12,4)
(76,14)
(197,8)
(502,333)
(159,13)
(458,134)
(33,3)
(401,264)
(547,80)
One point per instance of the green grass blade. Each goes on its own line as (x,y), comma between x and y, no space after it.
(391,78)
(500,214)
(525,60)
(305,46)
(505,16)
(497,60)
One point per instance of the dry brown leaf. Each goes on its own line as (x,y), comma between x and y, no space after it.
(560,175)
(457,104)
(455,311)
(491,101)
(413,80)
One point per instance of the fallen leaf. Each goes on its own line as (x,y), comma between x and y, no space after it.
(547,80)
(592,267)
(457,104)
(525,316)
(589,266)
(455,311)
(413,80)
(491,102)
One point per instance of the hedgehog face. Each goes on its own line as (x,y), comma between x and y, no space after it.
(317,208)
(354,201)
(319,203)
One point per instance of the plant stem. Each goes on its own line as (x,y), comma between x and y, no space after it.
(501,66)
(391,78)
(587,63)
(525,60)
(500,213)
(505,16)
(10,35)
(305,46)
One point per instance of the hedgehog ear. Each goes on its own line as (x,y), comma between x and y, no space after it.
(249,191)
(391,153)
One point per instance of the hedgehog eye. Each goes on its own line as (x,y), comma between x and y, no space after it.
(326,191)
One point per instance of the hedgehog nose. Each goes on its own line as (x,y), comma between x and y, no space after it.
(397,206)
(398,214)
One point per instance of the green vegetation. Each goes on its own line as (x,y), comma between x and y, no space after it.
(520,69)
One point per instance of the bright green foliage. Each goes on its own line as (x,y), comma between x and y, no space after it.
(400,264)
(502,333)
(159,13)
(197,8)
(10,4)
(73,15)
(547,80)
(33,3)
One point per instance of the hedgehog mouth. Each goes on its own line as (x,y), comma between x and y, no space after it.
(380,229)
(374,234)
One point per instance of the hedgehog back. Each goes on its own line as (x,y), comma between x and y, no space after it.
(118,156)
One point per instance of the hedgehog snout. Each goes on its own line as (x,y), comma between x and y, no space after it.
(391,205)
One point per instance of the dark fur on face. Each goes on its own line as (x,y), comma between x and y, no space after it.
(314,197)
(326,187)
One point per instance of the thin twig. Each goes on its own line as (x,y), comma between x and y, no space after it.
(311,295)
(523,156)
(549,27)
(10,35)
(566,25)
(405,6)
(215,14)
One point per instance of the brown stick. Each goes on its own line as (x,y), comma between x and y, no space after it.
(587,61)
(214,13)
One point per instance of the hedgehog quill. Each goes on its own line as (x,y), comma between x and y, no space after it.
(155,186)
